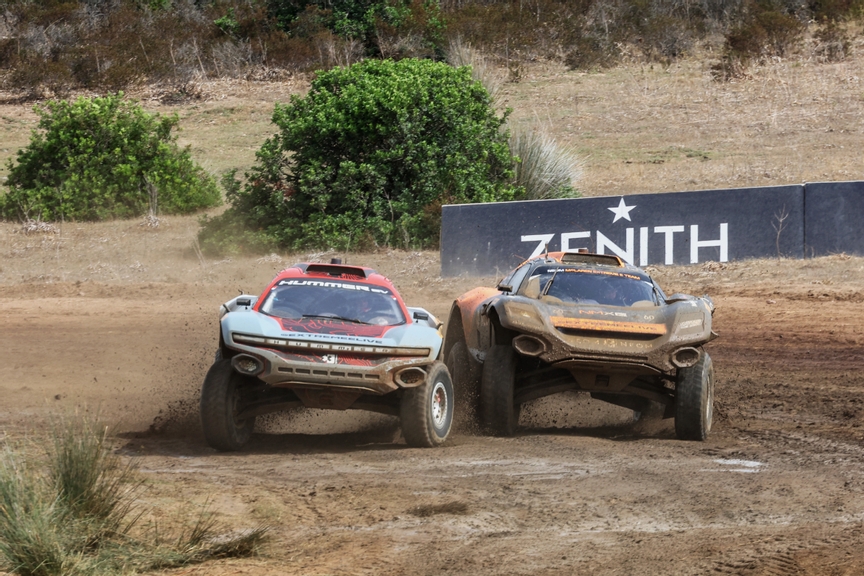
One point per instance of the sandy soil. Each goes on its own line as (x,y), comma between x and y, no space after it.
(777,489)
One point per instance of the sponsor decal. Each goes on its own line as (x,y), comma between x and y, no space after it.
(340,285)
(631,252)
(592,271)
(603,313)
(613,343)
(607,325)
(334,337)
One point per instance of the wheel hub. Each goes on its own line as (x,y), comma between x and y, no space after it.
(439,404)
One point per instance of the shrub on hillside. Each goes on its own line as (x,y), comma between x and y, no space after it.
(368,156)
(765,29)
(388,28)
(98,158)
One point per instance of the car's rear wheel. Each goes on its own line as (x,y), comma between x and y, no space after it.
(426,411)
(220,404)
(499,412)
(694,400)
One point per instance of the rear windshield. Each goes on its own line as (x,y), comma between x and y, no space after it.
(345,301)
(589,286)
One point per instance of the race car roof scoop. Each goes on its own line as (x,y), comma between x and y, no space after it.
(336,270)
(585,258)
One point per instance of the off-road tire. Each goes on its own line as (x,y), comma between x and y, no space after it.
(465,386)
(426,412)
(694,400)
(220,397)
(499,413)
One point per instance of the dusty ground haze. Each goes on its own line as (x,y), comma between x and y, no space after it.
(121,318)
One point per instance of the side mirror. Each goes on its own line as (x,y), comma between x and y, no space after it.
(505,288)
(421,316)
(244,302)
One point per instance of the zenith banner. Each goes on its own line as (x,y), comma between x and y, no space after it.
(833,218)
(670,228)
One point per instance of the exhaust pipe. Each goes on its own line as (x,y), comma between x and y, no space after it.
(247,365)
(685,357)
(409,377)
(529,345)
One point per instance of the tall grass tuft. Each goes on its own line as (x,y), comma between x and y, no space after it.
(91,482)
(30,542)
(544,170)
(461,53)
(75,513)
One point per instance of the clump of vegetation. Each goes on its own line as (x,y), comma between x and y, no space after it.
(460,53)
(764,29)
(58,46)
(543,169)
(386,28)
(368,157)
(99,158)
(76,513)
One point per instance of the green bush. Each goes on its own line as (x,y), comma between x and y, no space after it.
(384,27)
(99,158)
(368,157)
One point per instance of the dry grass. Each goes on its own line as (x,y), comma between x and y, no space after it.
(644,129)
(638,128)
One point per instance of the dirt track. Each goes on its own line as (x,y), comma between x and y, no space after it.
(777,489)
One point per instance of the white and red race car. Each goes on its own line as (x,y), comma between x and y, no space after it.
(327,336)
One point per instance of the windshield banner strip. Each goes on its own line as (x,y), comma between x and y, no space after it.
(331,284)
(607,325)
(590,271)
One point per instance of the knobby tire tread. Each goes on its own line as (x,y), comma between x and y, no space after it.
(415,411)
(497,390)
(217,419)
(465,384)
(693,384)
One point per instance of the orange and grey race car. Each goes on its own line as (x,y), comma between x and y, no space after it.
(579,321)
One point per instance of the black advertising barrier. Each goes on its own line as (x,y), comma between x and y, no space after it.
(834,218)
(670,228)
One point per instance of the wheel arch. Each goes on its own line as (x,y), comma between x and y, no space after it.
(500,335)
(455,329)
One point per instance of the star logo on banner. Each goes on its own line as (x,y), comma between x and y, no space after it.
(621,211)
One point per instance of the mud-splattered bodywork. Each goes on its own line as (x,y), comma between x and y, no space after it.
(620,353)
(324,361)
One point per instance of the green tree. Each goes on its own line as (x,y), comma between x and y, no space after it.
(99,158)
(368,157)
